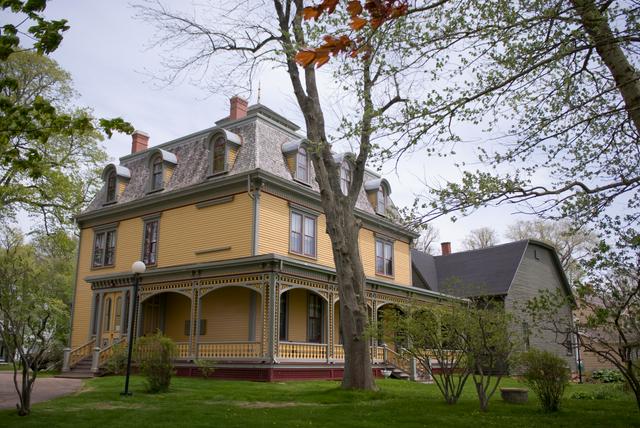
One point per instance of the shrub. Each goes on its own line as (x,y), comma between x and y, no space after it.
(206,367)
(605,392)
(547,375)
(155,356)
(117,362)
(607,376)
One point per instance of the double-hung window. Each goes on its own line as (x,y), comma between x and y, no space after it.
(384,257)
(303,234)
(104,248)
(150,250)
(381,201)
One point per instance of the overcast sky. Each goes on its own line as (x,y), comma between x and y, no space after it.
(108,54)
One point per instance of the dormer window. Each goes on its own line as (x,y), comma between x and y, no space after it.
(157,179)
(115,179)
(302,165)
(111,187)
(345,177)
(378,191)
(223,150)
(162,163)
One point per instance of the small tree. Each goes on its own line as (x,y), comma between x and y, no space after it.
(547,375)
(155,356)
(433,333)
(30,312)
(488,344)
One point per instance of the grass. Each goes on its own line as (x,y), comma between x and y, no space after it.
(198,402)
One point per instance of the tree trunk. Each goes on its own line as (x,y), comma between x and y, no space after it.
(627,79)
(24,406)
(482,395)
(343,231)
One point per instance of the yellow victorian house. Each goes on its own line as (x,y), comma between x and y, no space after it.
(228,222)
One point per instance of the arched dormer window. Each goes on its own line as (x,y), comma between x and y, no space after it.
(157,179)
(223,150)
(302,165)
(378,191)
(111,186)
(297,158)
(115,178)
(161,166)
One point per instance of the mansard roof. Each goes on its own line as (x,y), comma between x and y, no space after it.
(260,138)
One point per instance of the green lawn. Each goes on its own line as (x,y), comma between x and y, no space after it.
(197,402)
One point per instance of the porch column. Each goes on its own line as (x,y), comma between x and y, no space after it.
(132,310)
(330,326)
(99,320)
(196,314)
(123,309)
(139,315)
(273,319)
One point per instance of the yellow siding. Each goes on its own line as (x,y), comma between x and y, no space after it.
(177,311)
(121,187)
(297,315)
(182,231)
(83,294)
(185,230)
(227,313)
(233,153)
(274,231)
(291,163)
(274,238)
(401,258)
(168,173)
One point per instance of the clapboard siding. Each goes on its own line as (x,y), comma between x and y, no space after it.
(537,271)
(274,238)
(297,315)
(227,312)
(177,310)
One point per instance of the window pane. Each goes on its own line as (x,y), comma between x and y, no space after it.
(110,248)
(111,187)
(150,242)
(381,201)
(296,232)
(314,311)
(302,170)
(310,236)
(388,256)
(218,155)
(156,180)
(345,177)
(98,250)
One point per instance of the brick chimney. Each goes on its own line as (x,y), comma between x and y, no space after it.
(139,141)
(238,108)
(446,248)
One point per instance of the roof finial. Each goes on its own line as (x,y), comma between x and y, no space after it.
(259,90)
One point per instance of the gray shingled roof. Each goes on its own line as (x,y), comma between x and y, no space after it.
(263,134)
(484,272)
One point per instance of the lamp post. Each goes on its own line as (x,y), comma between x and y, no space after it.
(137,268)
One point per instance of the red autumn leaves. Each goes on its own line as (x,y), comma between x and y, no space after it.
(373,13)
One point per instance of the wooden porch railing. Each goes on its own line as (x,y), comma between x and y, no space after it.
(230,350)
(397,360)
(302,351)
(376,352)
(183,349)
(107,352)
(81,352)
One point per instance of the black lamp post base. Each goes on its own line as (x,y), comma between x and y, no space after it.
(126,394)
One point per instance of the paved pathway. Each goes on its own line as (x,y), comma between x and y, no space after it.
(44,389)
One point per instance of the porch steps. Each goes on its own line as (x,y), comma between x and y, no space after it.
(82,370)
(397,373)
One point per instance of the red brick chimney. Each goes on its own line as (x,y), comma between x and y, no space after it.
(238,108)
(446,248)
(139,141)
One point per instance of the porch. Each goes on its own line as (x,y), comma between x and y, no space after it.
(256,321)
